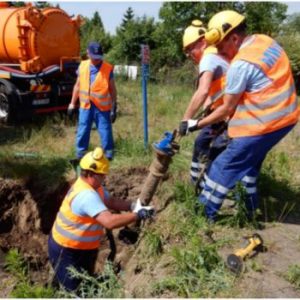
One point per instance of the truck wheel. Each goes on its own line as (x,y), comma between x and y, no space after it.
(4,107)
(7,102)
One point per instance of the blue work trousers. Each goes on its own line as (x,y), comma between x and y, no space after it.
(61,258)
(104,127)
(240,161)
(208,145)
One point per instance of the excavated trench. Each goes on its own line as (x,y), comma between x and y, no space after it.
(27,215)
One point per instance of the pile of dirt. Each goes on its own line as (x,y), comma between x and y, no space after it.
(26,217)
(27,214)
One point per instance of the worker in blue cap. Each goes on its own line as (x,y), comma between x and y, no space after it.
(95,87)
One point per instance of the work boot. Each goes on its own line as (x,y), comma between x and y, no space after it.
(75,164)
(109,154)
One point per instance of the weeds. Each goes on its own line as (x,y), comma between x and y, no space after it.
(293,275)
(131,152)
(198,269)
(153,243)
(241,217)
(105,285)
(16,266)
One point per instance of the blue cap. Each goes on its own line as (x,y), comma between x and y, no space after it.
(95,50)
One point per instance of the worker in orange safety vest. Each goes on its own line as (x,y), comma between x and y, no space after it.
(82,218)
(96,89)
(212,139)
(260,96)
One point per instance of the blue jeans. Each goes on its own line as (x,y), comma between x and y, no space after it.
(209,143)
(61,258)
(241,161)
(104,127)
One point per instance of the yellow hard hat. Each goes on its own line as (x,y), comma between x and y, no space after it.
(95,161)
(221,24)
(193,33)
(210,50)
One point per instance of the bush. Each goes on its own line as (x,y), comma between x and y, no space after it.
(290,42)
(16,266)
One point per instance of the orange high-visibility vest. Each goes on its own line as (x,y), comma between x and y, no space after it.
(216,91)
(98,92)
(275,106)
(74,231)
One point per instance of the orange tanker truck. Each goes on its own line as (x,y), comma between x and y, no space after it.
(39,56)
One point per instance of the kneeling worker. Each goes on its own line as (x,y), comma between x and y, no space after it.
(82,217)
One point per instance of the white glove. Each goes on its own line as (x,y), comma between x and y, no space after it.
(188,126)
(71,106)
(138,206)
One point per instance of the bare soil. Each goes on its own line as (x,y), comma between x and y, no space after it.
(27,214)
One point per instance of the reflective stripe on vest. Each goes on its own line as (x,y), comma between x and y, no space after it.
(275,106)
(98,92)
(74,231)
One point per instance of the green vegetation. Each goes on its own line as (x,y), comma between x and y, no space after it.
(240,218)
(106,285)
(164,37)
(180,242)
(198,270)
(293,275)
(24,288)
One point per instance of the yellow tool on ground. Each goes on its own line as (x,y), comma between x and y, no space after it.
(235,261)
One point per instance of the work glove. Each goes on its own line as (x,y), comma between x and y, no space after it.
(185,127)
(143,212)
(113,113)
(71,110)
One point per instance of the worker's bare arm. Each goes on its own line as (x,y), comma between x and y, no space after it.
(200,96)
(117,204)
(111,221)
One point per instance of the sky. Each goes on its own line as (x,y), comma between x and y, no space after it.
(112,12)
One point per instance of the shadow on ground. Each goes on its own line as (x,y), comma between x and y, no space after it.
(279,200)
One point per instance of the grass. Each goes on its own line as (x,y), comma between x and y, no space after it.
(197,268)
(293,275)
(105,285)
(180,232)
(24,288)
(153,243)
(240,218)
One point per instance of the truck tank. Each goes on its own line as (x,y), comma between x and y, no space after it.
(37,38)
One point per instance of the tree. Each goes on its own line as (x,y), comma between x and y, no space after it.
(127,18)
(42,4)
(96,21)
(128,40)
(38,4)
(176,16)
(263,17)
(93,30)
(289,38)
